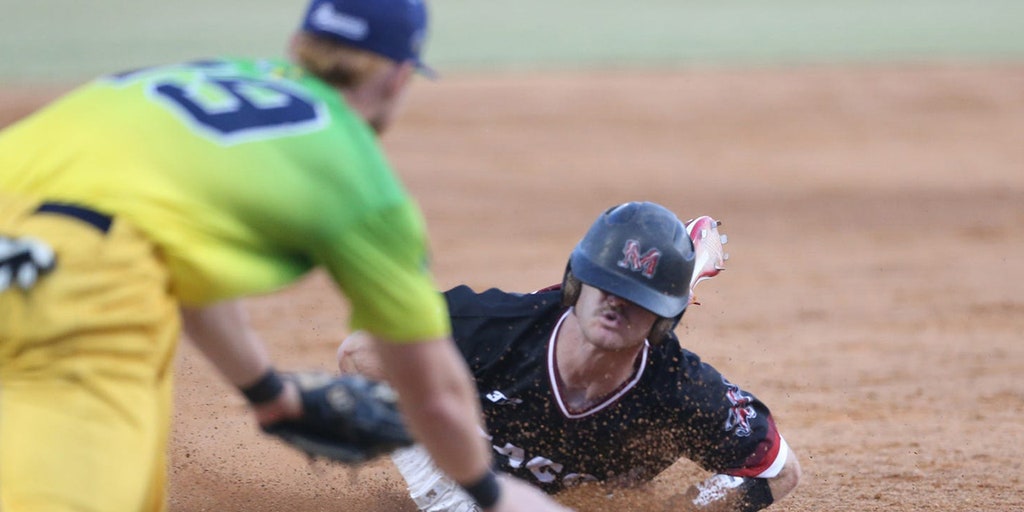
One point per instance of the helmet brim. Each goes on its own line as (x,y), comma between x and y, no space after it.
(625,286)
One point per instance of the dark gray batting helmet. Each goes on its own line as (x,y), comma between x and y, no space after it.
(638,251)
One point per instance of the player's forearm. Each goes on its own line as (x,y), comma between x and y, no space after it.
(438,400)
(222,333)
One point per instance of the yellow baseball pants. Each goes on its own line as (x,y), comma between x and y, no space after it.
(86,361)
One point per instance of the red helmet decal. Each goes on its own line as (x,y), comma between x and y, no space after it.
(632,260)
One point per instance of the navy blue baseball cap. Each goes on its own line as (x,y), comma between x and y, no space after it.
(395,29)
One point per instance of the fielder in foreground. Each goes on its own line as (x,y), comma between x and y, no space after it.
(161,194)
(588,382)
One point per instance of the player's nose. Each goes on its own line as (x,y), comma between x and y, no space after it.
(614,300)
(619,303)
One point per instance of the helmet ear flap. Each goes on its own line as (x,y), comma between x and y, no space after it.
(662,326)
(570,288)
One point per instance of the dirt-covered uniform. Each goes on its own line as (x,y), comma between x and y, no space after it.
(674,405)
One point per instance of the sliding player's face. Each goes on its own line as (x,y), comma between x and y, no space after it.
(611,322)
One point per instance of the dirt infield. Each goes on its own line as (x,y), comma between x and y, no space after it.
(873,297)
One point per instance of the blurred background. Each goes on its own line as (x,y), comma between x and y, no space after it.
(61,41)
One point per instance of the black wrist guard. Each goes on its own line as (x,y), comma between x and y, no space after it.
(756,494)
(264,390)
(741,494)
(485,491)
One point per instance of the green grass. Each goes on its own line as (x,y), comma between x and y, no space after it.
(62,40)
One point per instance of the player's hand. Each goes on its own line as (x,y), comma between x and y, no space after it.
(716,494)
(23,261)
(518,496)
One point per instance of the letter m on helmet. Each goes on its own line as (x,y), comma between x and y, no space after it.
(632,260)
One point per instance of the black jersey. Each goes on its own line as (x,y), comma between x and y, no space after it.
(673,406)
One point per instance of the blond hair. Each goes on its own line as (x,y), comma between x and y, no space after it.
(335,63)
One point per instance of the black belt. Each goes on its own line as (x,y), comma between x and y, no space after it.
(100,221)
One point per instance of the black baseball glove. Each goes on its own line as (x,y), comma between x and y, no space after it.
(348,419)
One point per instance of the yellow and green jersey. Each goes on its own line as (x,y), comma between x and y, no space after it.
(246,174)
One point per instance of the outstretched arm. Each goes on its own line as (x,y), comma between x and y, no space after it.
(724,493)
(222,333)
(438,401)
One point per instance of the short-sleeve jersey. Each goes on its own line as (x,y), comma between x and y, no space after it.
(674,405)
(245,174)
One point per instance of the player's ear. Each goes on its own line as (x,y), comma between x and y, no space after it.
(398,78)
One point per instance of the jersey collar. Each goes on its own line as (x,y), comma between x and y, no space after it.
(555,379)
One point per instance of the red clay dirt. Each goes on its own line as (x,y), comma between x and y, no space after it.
(873,299)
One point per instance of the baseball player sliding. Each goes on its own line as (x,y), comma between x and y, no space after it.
(588,382)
